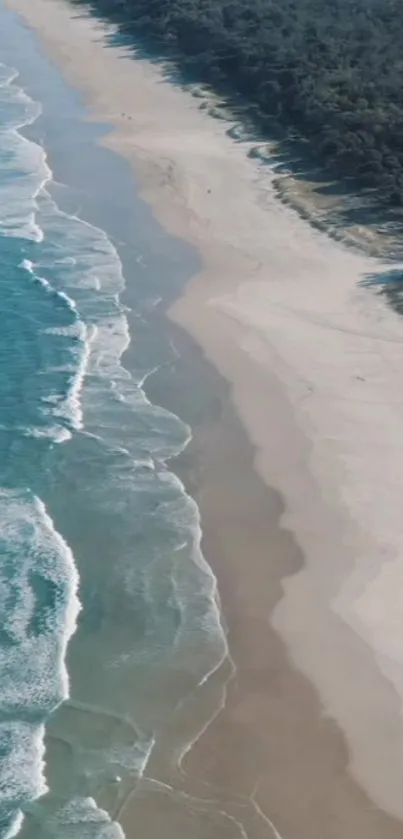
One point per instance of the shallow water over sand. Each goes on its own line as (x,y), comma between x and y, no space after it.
(86,496)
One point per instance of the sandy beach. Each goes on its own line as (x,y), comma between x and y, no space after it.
(297,475)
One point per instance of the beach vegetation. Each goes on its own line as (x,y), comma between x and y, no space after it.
(330,69)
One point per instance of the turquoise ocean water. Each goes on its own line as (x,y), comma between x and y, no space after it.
(108,612)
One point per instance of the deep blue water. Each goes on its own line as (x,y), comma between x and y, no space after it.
(99,543)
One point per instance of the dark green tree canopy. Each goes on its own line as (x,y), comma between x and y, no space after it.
(332,69)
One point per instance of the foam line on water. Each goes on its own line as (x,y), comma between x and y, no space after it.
(14,826)
(38,607)
(7,75)
(94,277)
(91,275)
(29,266)
(28,159)
(68,406)
(80,266)
(82,817)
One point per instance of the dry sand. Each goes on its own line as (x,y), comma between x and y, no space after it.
(314,361)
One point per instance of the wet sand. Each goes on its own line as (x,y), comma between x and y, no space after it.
(274,758)
(286,470)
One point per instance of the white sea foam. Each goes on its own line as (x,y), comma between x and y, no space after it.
(22,763)
(102,328)
(92,280)
(82,267)
(15,825)
(81,818)
(70,408)
(32,548)
(164,434)
(25,160)
(57,433)
(38,612)
(95,281)
(17,108)
(7,75)
(30,267)
(68,405)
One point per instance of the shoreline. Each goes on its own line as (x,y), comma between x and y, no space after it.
(273,758)
(228,324)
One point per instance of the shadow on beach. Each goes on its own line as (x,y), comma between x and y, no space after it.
(337,206)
